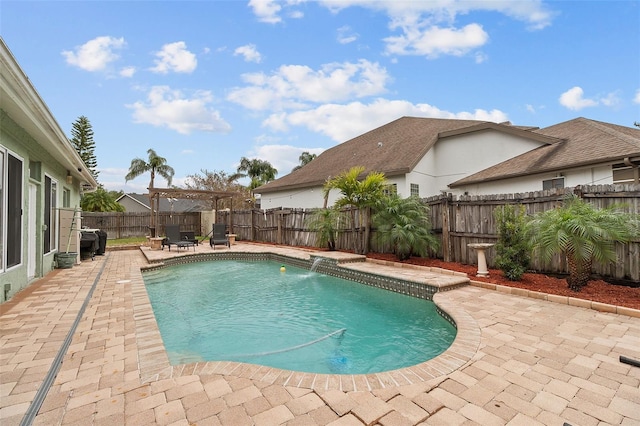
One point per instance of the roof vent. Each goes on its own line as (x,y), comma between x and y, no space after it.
(379,144)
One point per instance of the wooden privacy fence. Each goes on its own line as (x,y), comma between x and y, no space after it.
(456,220)
(130,224)
(466,219)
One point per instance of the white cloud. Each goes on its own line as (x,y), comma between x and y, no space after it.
(428,27)
(294,86)
(534,12)
(170,108)
(343,122)
(530,108)
(481,57)
(96,54)
(175,57)
(636,98)
(610,100)
(438,41)
(127,72)
(266,10)
(249,52)
(296,14)
(346,35)
(573,99)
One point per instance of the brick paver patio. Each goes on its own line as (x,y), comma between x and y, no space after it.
(516,361)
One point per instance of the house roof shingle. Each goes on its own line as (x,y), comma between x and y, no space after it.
(393,149)
(179,205)
(583,142)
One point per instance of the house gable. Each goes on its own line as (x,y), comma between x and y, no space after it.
(139,203)
(583,143)
(405,151)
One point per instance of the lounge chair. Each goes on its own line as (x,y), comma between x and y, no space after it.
(219,236)
(173,238)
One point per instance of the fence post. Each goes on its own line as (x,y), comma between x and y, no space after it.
(446,224)
(120,218)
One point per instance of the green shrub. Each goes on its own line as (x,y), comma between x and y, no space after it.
(404,224)
(513,248)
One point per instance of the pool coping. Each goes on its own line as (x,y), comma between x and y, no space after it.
(154,362)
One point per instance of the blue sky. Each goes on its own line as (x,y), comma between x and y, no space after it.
(205,83)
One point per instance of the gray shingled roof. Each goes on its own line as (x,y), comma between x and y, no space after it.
(179,205)
(393,149)
(584,142)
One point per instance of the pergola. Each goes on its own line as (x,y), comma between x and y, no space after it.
(190,194)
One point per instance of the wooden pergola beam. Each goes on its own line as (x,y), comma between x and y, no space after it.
(191,194)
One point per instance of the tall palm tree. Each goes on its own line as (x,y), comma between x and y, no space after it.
(260,171)
(404,224)
(583,234)
(156,164)
(305,158)
(358,195)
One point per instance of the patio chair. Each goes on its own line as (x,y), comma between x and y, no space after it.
(173,238)
(219,236)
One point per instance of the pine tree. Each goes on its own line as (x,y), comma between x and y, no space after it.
(82,141)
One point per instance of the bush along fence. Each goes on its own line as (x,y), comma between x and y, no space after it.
(456,220)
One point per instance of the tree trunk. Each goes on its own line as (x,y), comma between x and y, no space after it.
(354,228)
(579,273)
(367,230)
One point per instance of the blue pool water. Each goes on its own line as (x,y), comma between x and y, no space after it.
(295,320)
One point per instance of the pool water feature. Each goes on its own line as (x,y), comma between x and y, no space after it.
(296,320)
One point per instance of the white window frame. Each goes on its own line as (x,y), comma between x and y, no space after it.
(66,197)
(52,226)
(4,210)
(414,190)
(619,169)
(3,206)
(556,183)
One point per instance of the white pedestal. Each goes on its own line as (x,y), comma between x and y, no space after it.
(483,271)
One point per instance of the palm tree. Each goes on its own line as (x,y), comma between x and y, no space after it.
(358,195)
(404,224)
(325,222)
(583,234)
(305,158)
(156,164)
(259,171)
(100,200)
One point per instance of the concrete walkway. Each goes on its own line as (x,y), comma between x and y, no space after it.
(516,360)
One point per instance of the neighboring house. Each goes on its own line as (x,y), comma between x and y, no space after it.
(41,176)
(588,153)
(430,156)
(139,203)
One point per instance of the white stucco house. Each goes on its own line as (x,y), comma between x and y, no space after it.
(429,156)
(41,178)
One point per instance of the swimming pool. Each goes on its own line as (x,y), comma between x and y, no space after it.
(297,320)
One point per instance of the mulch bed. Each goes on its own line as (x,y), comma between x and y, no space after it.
(596,290)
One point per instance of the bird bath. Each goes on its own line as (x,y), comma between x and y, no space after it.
(482,259)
